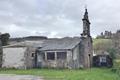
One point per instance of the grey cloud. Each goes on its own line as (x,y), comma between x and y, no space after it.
(57,18)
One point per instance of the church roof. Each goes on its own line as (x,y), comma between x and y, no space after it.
(60,44)
(49,44)
(26,44)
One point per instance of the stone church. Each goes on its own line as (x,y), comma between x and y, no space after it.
(66,52)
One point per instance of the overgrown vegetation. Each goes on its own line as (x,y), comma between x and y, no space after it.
(53,74)
(112,52)
(116,67)
(110,46)
(106,45)
(102,44)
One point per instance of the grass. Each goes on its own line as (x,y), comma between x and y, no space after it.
(53,74)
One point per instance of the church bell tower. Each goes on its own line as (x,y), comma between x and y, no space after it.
(86,24)
(86,43)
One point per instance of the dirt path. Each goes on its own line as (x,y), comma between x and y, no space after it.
(19,77)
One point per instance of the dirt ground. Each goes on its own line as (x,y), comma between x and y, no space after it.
(19,77)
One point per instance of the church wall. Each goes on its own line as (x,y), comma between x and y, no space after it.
(72,60)
(13,57)
(86,53)
(30,57)
(18,57)
(42,60)
(76,53)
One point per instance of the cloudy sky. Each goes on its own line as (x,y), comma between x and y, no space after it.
(57,18)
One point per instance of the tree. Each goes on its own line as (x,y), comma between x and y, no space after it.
(112,52)
(5,39)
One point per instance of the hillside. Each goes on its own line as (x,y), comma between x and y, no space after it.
(97,41)
(102,44)
(106,45)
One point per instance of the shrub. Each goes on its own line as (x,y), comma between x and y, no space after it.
(116,67)
(112,52)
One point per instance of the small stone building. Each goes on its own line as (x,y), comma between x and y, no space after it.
(20,55)
(102,60)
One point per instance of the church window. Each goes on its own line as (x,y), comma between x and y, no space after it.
(50,55)
(61,55)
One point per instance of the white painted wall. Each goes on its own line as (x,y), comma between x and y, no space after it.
(13,57)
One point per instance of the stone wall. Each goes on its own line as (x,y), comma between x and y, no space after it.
(69,59)
(86,53)
(72,60)
(57,63)
(13,57)
(18,57)
(76,57)
(30,57)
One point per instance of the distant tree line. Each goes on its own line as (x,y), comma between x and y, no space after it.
(19,39)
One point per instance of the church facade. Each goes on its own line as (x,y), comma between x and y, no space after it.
(68,53)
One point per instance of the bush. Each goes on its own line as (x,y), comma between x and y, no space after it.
(116,67)
(112,52)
